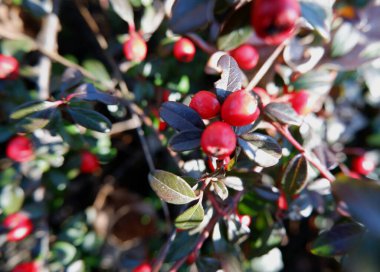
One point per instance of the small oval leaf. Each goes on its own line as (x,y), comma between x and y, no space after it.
(171,188)
(220,189)
(190,218)
(90,119)
(11,199)
(295,175)
(124,9)
(234,183)
(31,108)
(181,117)
(282,113)
(70,78)
(88,92)
(186,140)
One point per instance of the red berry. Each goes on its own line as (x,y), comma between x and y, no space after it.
(240,108)
(282,203)
(275,20)
(184,50)
(218,140)
(27,267)
(20,149)
(89,162)
(144,267)
(19,226)
(206,104)
(191,258)
(363,165)
(246,56)
(300,102)
(264,96)
(135,48)
(9,67)
(245,219)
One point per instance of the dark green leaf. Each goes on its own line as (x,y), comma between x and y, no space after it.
(338,240)
(362,199)
(88,92)
(171,188)
(90,119)
(182,245)
(220,189)
(186,140)
(231,77)
(181,117)
(266,192)
(124,10)
(5,133)
(190,15)
(70,78)
(11,199)
(234,38)
(190,218)
(295,175)
(282,113)
(262,149)
(36,120)
(31,108)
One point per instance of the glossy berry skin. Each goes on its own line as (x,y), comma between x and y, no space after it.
(275,20)
(184,50)
(135,48)
(9,67)
(363,165)
(239,109)
(300,102)
(246,56)
(144,267)
(206,104)
(218,140)
(20,149)
(26,267)
(19,226)
(89,162)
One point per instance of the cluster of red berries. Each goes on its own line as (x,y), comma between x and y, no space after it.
(239,109)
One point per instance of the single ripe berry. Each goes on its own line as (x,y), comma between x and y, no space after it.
(20,149)
(301,102)
(19,226)
(218,140)
(144,267)
(26,267)
(9,67)
(135,48)
(264,96)
(282,203)
(246,56)
(89,162)
(275,20)
(184,50)
(240,108)
(363,165)
(206,104)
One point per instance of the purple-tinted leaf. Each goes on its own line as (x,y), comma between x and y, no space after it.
(90,119)
(295,175)
(282,113)
(189,15)
(70,78)
(362,199)
(266,192)
(87,91)
(338,240)
(186,140)
(181,117)
(262,149)
(231,77)
(326,157)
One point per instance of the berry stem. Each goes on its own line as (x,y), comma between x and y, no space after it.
(202,44)
(283,130)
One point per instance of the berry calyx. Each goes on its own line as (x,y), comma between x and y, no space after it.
(363,165)
(20,149)
(240,109)
(275,20)
(218,140)
(135,48)
(301,102)
(26,267)
(9,67)
(206,104)
(144,267)
(19,226)
(89,162)
(184,50)
(246,56)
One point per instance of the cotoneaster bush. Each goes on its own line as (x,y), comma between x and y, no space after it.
(189,135)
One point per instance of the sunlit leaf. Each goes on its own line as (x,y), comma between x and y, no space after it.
(190,218)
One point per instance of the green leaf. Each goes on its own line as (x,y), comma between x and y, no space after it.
(318,15)
(282,113)
(362,199)
(338,240)
(180,116)
(319,82)
(11,199)
(295,175)
(186,140)
(234,39)
(98,70)
(90,119)
(31,108)
(124,10)
(345,39)
(36,120)
(190,218)
(171,188)
(64,252)
(220,189)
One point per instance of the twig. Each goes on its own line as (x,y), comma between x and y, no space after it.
(157,264)
(202,44)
